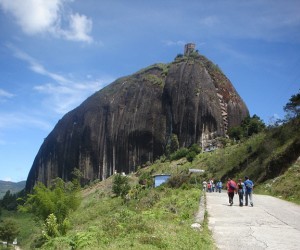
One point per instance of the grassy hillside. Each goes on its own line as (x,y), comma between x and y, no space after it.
(149,218)
(262,157)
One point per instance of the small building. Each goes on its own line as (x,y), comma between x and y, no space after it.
(160,179)
(189,48)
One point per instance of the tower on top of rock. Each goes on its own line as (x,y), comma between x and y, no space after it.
(189,48)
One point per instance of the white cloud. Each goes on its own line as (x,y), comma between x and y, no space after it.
(4,94)
(80,26)
(35,66)
(62,93)
(33,16)
(174,43)
(63,98)
(46,16)
(12,120)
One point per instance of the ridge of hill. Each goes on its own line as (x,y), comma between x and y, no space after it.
(14,187)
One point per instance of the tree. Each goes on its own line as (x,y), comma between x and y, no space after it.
(191,156)
(8,230)
(78,179)
(59,199)
(196,148)
(293,106)
(121,185)
(8,201)
(174,143)
(255,125)
(249,126)
(51,227)
(235,132)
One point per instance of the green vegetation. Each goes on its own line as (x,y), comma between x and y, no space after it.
(250,126)
(155,219)
(121,185)
(9,201)
(139,218)
(286,186)
(154,79)
(8,230)
(60,199)
(292,108)
(126,212)
(26,226)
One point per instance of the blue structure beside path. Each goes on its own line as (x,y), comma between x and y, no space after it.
(160,179)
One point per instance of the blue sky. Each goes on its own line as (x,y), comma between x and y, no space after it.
(56,53)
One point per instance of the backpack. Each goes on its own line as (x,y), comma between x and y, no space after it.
(249,185)
(232,185)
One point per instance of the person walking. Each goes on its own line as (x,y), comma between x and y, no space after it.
(249,190)
(241,191)
(219,186)
(231,189)
(209,187)
(212,185)
(204,185)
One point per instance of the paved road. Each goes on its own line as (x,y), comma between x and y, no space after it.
(271,224)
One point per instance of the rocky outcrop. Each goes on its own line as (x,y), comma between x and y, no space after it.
(130,122)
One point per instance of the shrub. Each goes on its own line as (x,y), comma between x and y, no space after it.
(195,148)
(180,153)
(8,230)
(146,179)
(190,156)
(177,181)
(51,227)
(121,185)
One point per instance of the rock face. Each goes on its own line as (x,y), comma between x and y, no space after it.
(131,121)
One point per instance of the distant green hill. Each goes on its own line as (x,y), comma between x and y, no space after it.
(14,187)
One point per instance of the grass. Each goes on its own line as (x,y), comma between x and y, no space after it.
(158,218)
(286,186)
(29,227)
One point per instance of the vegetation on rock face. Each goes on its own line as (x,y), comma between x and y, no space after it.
(250,126)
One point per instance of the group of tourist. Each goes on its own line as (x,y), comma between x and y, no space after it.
(242,189)
(211,186)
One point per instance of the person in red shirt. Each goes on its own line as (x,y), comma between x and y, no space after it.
(231,189)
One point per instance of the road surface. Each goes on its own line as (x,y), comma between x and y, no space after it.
(270,224)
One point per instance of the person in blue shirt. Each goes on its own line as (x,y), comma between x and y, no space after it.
(219,186)
(249,190)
